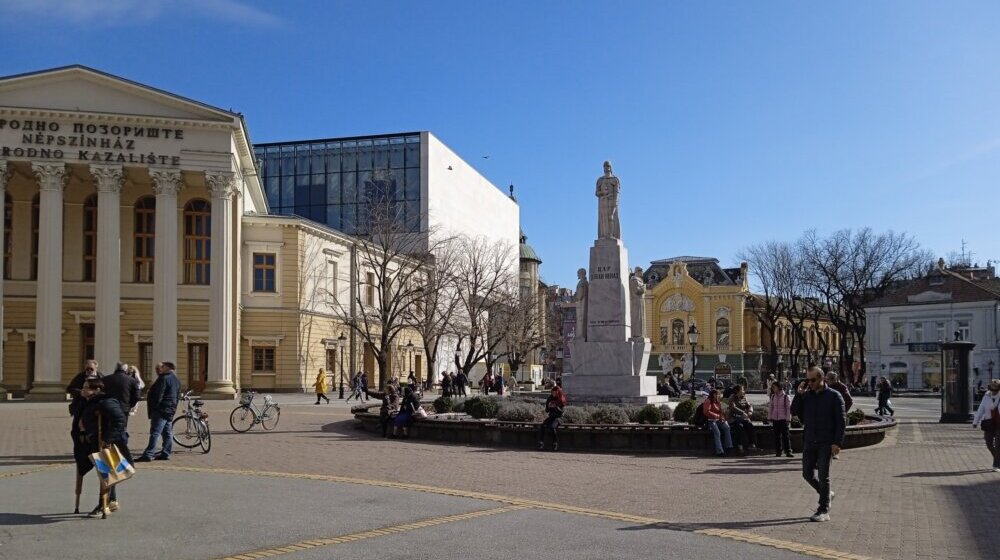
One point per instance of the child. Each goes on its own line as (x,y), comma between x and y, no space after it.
(779,412)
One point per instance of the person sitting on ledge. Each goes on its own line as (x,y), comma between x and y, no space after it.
(740,412)
(554,407)
(404,419)
(712,409)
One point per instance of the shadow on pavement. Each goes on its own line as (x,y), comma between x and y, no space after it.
(14,519)
(942,473)
(737,470)
(979,503)
(691,527)
(30,460)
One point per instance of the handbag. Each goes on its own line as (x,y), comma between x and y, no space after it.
(112,467)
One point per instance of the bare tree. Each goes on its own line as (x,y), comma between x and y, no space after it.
(394,260)
(524,330)
(433,314)
(772,263)
(486,284)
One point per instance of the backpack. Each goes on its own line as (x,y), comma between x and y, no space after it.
(699,415)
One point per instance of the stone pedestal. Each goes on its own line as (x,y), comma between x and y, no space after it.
(608,317)
(46,391)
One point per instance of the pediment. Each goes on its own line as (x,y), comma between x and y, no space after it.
(929,296)
(81,89)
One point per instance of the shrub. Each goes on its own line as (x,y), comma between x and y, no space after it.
(482,407)
(518,412)
(458,404)
(795,423)
(666,412)
(649,414)
(759,413)
(632,411)
(442,405)
(855,416)
(608,415)
(684,412)
(575,415)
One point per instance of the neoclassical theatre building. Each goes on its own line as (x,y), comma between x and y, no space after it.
(136,229)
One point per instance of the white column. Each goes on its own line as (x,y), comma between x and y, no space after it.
(107,334)
(221,325)
(4,177)
(166,184)
(48,315)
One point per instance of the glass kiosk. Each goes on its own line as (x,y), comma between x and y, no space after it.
(956,394)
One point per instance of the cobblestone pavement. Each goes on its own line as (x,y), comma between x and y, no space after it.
(926,492)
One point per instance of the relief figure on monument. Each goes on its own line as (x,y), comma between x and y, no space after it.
(608,187)
(581,304)
(637,287)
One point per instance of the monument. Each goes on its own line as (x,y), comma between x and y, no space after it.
(610,352)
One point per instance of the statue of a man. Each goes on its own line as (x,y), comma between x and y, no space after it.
(581,304)
(608,188)
(686,366)
(666,363)
(637,287)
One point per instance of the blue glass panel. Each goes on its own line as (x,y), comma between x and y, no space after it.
(413,183)
(333,216)
(333,188)
(412,154)
(349,186)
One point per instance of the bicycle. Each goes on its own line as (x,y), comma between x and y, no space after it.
(246,415)
(191,428)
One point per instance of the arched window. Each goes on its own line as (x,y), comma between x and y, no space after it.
(8,232)
(145,220)
(90,239)
(34,237)
(677,331)
(197,241)
(722,333)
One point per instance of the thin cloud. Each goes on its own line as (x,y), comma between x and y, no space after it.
(975,152)
(138,12)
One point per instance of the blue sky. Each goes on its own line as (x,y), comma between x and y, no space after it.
(728,123)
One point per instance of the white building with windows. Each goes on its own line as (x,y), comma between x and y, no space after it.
(905,327)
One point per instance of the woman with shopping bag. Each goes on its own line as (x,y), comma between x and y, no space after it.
(103,423)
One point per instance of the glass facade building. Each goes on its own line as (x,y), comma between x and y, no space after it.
(329,181)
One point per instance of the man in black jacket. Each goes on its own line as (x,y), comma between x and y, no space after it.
(76,384)
(122,386)
(821,410)
(161,403)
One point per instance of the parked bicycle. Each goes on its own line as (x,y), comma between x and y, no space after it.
(246,415)
(191,428)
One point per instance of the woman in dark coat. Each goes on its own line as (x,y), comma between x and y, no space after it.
(102,422)
(554,407)
(407,409)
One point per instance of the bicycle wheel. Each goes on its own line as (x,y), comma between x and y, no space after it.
(206,436)
(242,419)
(185,432)
(269,418)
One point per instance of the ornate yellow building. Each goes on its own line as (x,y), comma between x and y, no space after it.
(732,341)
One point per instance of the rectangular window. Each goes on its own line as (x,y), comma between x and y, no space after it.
(939,331)
(263,359)
(331,280)
(370,289)
(963,330)
(918,332)
(898,333)
(264,272)
(146,362)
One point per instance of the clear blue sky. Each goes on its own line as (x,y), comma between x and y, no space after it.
(728,122)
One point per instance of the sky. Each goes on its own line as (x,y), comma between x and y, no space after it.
(728,123)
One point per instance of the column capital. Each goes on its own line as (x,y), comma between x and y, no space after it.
(166,181)
(222,184)
(110,178)
(51,176)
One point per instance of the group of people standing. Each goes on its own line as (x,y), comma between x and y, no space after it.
(100,409)
(453,385)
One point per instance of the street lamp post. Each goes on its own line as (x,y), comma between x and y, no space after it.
(409,356)
(341,344)
(693,341)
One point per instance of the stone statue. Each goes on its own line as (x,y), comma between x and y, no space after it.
(666,363)
(686,366)
(608,188)
(581,304)
(637,287)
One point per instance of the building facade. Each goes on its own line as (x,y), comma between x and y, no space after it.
(904,329)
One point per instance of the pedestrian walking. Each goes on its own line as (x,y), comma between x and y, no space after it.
(81,447)
(779,412)
(711,407)
(833,381)
(412,379)
(486,383)
(462,381)
(445,384)
(356,387)
(988,418)
(884,393)
(821,410)
(103,422)
(740,412)
(554,407)
(161,404)
(364,385)
(321,387)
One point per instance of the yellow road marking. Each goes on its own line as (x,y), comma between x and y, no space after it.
(371,534)
(532,504)
(34,470)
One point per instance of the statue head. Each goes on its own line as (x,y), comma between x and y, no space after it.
(638,271)
(607,167)
(581,274)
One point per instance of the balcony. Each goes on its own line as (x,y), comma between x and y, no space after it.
(923,347)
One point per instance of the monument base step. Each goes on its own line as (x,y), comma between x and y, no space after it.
(610,399)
